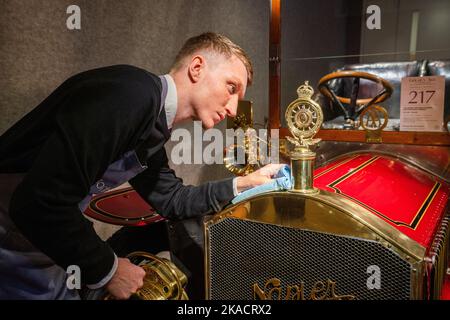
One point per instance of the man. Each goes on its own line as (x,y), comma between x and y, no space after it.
(97,130)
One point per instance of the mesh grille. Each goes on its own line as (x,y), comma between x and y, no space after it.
(244,252)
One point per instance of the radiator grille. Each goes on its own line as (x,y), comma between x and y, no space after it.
(244,252)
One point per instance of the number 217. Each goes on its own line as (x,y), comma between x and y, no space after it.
(415,96)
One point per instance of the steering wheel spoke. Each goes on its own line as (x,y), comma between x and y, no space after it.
(354,106)
(337,101)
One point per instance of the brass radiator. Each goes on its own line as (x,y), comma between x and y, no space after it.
(283,246)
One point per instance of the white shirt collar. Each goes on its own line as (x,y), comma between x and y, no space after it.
(171,102)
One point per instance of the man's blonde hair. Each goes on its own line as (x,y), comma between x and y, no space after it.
(216,43)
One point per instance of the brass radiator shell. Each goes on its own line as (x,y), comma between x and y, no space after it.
(250,244)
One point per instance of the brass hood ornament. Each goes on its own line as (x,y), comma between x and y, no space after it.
(304,117)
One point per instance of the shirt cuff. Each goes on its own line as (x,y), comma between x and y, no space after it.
(235,190)
(108,277)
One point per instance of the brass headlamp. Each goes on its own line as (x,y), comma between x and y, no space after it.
(163,280)
(247,147)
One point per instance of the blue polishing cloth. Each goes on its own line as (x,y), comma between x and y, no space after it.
(281,181)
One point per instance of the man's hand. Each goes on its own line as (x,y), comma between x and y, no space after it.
(258,177)
(127,279)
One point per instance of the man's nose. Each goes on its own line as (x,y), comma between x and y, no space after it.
(231,108)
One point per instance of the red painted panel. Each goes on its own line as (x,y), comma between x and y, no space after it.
(122,207)
(405,196)
(445,294)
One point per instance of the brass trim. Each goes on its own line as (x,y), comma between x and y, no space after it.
(347,206)
(244,121)
(272,290)
(382,232)
(244,116)
(209,220)
(302,171)
(304,117)
(437,260)
(373,131)
(162,281)
(417,277)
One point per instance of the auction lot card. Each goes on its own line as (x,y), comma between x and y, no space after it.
(422,103)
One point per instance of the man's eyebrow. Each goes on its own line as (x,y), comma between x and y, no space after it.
(239,85)
(238,82)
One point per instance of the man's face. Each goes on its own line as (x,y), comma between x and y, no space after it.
(221,86)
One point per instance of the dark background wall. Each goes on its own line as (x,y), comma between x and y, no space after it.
(432,39)
(37,51)
(313,31)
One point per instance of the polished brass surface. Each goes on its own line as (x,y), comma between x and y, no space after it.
(251,162)
(162,281)
(284,149)
(304,117)
(243,121)
(438,258)
(328,213)
(324,212)
(322,290)
(244,116)
(302,170)
(373,120)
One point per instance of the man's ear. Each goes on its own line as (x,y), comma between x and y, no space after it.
(195,69)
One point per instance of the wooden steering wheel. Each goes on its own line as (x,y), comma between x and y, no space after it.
(355,105)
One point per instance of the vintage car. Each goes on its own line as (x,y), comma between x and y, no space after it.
(371,221)
(367,212)
(367,215)
(360,221)
(377,228)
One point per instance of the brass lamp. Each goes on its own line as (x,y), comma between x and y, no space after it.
(162,280)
